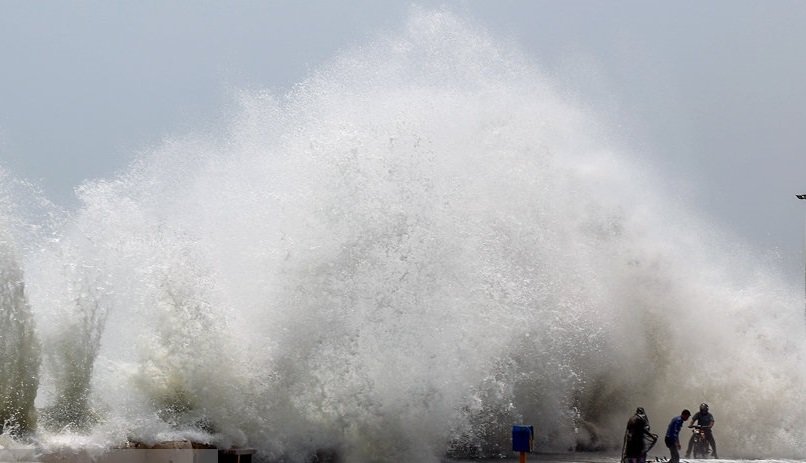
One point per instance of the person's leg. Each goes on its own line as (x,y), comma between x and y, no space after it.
(675,454)
(690,444)
(713,444)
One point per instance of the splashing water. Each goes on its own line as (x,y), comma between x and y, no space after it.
(417,247)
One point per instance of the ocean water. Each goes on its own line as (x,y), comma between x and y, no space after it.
(425,242)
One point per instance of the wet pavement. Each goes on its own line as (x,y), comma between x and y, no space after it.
(595,457)
(572,457)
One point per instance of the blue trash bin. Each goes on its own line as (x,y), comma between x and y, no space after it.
(522,437)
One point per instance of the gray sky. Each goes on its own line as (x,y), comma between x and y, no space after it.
(714,92)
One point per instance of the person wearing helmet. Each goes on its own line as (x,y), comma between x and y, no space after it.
(705,420)
(637,439)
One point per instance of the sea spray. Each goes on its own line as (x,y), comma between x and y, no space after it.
(72,341)
(19,347)
(418,246)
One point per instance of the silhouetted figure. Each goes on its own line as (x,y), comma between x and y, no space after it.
(672,438)
(706,421)
(637,439)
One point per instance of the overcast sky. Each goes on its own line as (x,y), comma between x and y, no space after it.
(713,92)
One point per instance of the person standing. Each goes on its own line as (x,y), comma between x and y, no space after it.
(672,438)
(705,420)
(637,439)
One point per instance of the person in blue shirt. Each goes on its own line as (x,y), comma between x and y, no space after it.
(672,439)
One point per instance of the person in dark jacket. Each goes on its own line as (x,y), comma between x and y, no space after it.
(637,439)
(705,420)
(672,438)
